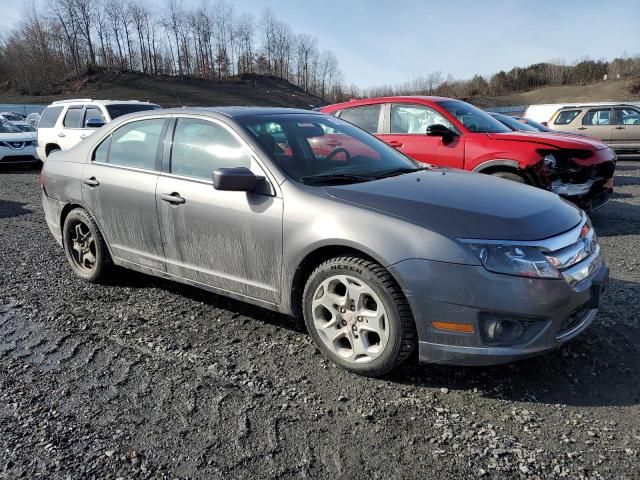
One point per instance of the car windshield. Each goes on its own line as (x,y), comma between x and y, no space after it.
(8,127)
(26,128)
(514,124)
(537,126)
(319,149)
(117,110)
(12,117)
(474,119)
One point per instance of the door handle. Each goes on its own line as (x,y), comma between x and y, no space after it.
(582,128)
(92,182)
(61,135)
(84,135)
(173,198)
(394,143)
(333,143)
(620,128)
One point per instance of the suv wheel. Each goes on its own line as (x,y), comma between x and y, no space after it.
(358,317)
(84,247)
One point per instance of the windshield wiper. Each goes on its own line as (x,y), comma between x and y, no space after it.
(336,177)
(400,171)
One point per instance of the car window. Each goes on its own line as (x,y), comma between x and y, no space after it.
(73,118)
(49,117)
(312,147)
(117,110)
(8,127)
(474,119)
(627,116)
(136,144)
(93,112)
(200,147)
(566,117)
(597,117)
(26,128)
(514,123)
(101,153)
(365,117)
(415,119)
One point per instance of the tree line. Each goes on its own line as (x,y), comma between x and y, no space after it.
(214,41)
(211,41)
(518,79)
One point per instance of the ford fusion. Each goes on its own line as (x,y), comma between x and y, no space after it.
(308,215)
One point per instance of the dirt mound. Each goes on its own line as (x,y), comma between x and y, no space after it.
(170,91)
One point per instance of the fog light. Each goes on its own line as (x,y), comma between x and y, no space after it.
(501,330)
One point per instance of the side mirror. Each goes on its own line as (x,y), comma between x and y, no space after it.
(439,130)
(93,123)
(236,179)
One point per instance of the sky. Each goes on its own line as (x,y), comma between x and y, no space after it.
(387,42)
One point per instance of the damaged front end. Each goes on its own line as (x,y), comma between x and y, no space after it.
(584,177)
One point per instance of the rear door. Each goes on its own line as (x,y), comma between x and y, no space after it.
(119,187)
(71,131)
(626,130)
(367,117)
(229,240)
(407,133)
(597,123)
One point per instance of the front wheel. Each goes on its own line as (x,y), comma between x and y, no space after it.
(358,316)
(84,247)
(514,177)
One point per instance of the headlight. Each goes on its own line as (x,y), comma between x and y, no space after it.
(550,161)
(514,260)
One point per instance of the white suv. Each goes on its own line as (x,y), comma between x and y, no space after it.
(66,123)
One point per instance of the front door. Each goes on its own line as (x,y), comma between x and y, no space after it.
(119,187)
(626,131)
(229,240)
(407,133)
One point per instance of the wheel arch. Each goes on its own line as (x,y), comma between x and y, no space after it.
(315,257)
(68,208)
(505,165)
(50,146)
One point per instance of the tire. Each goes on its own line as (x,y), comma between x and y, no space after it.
(84,247)
(354,290)
(514,177)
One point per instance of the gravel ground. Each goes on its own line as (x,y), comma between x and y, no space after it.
(148,379)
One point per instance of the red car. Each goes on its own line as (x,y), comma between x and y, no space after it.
(452,133)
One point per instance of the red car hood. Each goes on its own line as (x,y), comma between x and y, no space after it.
(552,140)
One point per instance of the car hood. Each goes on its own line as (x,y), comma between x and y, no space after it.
(552,139)
(460,204)
(17,137)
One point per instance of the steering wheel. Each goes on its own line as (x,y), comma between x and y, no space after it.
(347,155)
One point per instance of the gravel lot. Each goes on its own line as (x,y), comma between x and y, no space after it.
(148,379)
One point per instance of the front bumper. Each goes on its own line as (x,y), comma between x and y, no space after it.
(22,156)
(444,292)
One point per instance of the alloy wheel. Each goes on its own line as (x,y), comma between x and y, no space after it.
(83,247)
(350,319)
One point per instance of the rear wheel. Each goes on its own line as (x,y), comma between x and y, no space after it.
(358,317)
(514,177)
(84,247)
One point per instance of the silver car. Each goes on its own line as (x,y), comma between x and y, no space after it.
(306,214)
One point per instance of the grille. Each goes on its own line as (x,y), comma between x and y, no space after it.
(18,159)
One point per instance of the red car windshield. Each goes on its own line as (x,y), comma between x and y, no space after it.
(316,149)
(474,119)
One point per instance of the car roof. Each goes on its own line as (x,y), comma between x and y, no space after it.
(402,99)
(82,101)
(230,112)
(595,105)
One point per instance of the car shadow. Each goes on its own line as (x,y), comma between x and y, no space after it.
(131,279)
(10,209)
(601,367)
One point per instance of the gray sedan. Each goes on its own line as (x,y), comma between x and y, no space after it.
(306,214)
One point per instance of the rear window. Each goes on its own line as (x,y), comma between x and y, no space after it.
(116,111)
(73,118)
(566,117)
(50,117)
